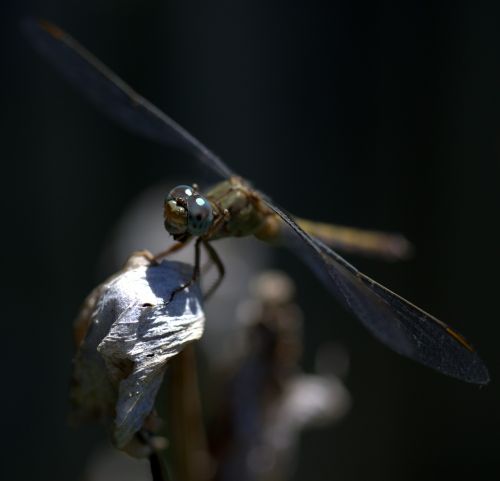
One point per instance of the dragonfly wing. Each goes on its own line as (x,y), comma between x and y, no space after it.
(112,95)
(396,322)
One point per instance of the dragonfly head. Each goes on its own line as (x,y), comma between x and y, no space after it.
(187,212)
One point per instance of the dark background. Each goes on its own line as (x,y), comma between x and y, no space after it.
(384,115)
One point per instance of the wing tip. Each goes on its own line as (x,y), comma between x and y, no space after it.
(481,378)
(474,372)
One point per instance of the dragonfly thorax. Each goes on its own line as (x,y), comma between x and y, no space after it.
(186,212)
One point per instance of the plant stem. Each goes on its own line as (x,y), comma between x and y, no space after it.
(187,431)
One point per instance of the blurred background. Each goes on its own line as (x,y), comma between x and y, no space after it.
(382,115)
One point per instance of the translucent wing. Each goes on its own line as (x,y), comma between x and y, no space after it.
(396,322)
(112,95)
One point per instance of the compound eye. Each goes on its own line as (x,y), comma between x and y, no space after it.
(180,194)
(200,215)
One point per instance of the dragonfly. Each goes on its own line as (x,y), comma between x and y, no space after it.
(234,208)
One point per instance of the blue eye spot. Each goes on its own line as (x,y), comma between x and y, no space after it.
(200,215)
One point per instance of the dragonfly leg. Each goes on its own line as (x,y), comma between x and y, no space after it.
(212,253)
(173,248)
(196,269)
(206,268)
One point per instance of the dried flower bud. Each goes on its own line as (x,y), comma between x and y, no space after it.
(131,325)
